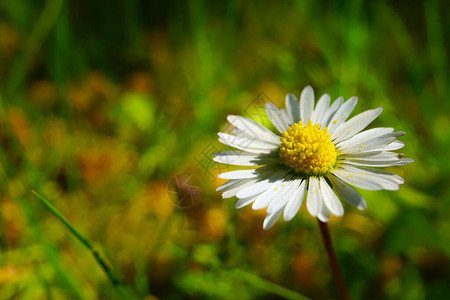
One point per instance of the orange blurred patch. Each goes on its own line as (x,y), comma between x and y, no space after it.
(94,163)
(215,223)
(43,93)
(95,88)
(250,222)
(159,54)
(105,160)
(390,267)
(14,221)
(9,40)
(157,199)
(100,85)
(303,266)
(20,124)
(8,273)
(140,82)
(55,132)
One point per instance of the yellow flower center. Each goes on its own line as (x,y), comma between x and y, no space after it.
(308,149)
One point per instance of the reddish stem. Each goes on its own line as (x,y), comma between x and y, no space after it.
(333,261)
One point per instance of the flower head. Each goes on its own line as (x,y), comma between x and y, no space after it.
(317,156)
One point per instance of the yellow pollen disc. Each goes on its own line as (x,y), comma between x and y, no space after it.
(308,149)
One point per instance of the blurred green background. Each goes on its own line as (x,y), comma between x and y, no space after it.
(103,102)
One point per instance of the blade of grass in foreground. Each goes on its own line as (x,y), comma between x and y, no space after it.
(118,285)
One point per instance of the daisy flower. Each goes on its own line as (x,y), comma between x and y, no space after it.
(317,156)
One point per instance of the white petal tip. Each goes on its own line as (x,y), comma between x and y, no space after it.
(354,100)
(406,161)
(267,226)
(291,96)
(254,207)
(378,112)
(323,219)
(339,214)
(287,218)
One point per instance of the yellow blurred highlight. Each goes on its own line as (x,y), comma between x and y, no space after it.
(215,223)
(8,273)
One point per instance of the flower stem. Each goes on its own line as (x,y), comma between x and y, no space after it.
(333,261)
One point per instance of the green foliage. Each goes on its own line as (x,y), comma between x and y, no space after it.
(102,103)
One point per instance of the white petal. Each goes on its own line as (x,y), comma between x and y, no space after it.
(266,198)
(231,187)
(364,136)
(247,144)
(288,121)
(239,174)
(348,193)
(380,163)
(233,191)
(231,184)
(375,143)
(292,107)
(271,219)
(330,113)
(276,117)
(368,178)
(240,158)
(321,110)
(356,180)
(395,145)
(374,155)
(330,199)
(306,104)
(324,214)
(295,201)
(342,114)
(254,189)
(314,197)
(355,125)
(261,186)
(254,129)
(384,174)
(377,158)
(244,202)
(279,202)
